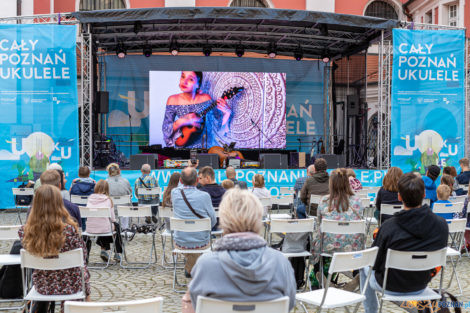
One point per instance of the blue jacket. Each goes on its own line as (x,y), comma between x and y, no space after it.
(431,188)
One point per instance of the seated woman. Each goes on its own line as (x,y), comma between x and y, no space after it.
(388,193)
(259,188)
(448,180)
(241,266)
(49,231)
(340,205)
(100,225)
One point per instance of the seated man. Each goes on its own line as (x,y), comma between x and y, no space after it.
(316,184)
(147,181)
(208,184)
(84,185)
(464,177)
(415,228)
(232,175)
(191,203)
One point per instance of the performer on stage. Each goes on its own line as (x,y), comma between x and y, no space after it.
(183,109)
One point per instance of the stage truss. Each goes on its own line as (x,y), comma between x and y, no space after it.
(85,55)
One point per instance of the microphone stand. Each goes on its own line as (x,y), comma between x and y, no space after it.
(130,131)
(260,132)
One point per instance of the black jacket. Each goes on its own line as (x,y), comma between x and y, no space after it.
(215,191)
(409,230)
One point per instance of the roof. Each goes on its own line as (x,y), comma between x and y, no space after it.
(224,28)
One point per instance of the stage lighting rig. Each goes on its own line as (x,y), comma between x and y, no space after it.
(207,50)
(147,50)
(174,49)
(272,51)
(239,51)
(323,30)
(121,50)
(137,26)
(298,53)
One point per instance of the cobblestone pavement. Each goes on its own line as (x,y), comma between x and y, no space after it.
(116,283)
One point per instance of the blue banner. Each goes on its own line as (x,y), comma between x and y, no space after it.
(129,94)
(428,98)
(274,179)
(38,92)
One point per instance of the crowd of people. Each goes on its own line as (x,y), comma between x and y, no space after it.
(242,266)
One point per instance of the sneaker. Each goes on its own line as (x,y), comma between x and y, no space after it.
(154,219)
(104,256)
(186,274)
(117,257)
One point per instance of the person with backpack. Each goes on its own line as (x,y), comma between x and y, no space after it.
(84,185)
(147,181)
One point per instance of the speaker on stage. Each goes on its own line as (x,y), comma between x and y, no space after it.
(208,159)
(333,160)
(137,160)
(272,160)
(297,160)
(102,102)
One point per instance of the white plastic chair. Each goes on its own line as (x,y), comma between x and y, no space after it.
(79,200)
(21,192)
(209,305)
(152,305)
(122,200)
(155,191)
(86,212)
(286,191)
(187,225)
(464,187)
(340,228)
(10,233)
(331,297)
(427,201)
(285,200)
(65,260)
(447,208)
(165,213)
(455,199)
(456,232)
(389,209)
(413,261)
(127,211)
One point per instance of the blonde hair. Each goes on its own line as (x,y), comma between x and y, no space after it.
(113,169)
(443,192)
(258,181)
(228,184)
(44,229)
(240,211)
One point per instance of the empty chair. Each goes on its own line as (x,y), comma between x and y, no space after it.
(122,200)
(286,203)
(152,305)
(455,199)
(286,191)
(10,233)
(23,192)
(413,261)
(456,233)
(165,213)
(331,297)
(140,211)
(209,305)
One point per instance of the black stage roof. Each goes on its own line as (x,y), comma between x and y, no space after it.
(224,28)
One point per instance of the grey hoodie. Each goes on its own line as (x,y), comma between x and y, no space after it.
(255,275)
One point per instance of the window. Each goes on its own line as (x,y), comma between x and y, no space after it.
(453,16)
(90,5)
(381,9)
(248,3)
(428,17)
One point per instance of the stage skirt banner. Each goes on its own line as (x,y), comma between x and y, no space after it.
(274,179)
(298,106)
(428,99)
(38,91)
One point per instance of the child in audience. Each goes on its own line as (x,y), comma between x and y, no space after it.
(100,225)
(429,180)
(449,181)
(227,184)
(84,185)
(443,194)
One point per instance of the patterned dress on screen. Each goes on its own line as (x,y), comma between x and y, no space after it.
(62,282)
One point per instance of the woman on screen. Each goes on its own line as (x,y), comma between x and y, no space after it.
(185,120)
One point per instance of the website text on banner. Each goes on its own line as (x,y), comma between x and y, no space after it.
(428,98)
(274,179)
(38,91)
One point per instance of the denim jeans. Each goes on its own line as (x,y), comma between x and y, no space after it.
(371,303)
(301,211)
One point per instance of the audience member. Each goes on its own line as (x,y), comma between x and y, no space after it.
(450,170)
(52,166)
(340,205)
(227,184)
(299,183)
(259,189)
(232,175)
(446,179)
(316,184)
(84,185)
(464,177)
(52,177)
(388,193)
(208,184)
(147,181)
(172,184)
(64,192)
(443,194)
(242,267)
(415,228)
(430,182)
(118,186)
(101,225)
(191,203)
(49,230)
(353,181)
